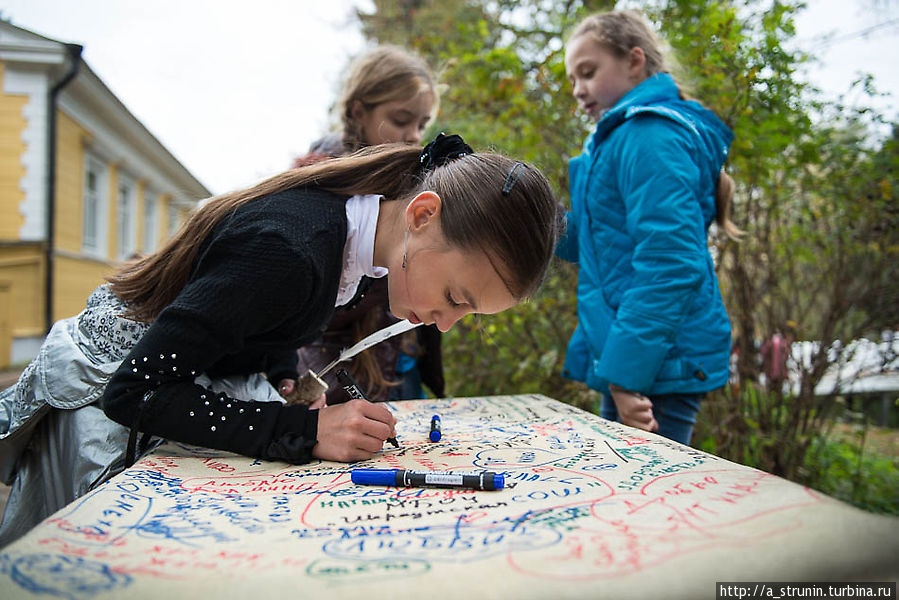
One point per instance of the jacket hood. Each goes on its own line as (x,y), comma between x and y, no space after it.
(659,94)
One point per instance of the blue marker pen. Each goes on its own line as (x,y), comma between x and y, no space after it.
(352,388)
(485,480)
(435,435)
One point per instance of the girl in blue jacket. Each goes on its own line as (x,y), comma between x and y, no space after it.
(653,336)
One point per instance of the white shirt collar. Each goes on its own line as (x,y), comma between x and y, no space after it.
(359,250)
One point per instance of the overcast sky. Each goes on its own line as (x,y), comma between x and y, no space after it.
(236,89)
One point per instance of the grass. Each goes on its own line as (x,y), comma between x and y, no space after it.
(827,447)
(878,440)
(857,466)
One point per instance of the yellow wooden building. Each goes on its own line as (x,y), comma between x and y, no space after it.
(83,185)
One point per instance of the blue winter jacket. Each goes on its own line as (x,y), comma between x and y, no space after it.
(650,314)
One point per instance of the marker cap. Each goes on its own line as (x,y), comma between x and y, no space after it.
(499,481)
(373,476)
(435,434)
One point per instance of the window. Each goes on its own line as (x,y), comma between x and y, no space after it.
(149,222)
(93,241)
(126,221)
(91,198)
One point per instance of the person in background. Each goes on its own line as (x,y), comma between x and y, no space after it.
(389,96)
(774,352)
(653,335)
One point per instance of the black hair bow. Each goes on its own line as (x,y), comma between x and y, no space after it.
(443,149)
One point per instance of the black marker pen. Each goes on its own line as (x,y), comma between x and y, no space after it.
(483,480)
(346,380)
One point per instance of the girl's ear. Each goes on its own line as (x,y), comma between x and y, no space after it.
(637,63)
(357,110)
(423,209)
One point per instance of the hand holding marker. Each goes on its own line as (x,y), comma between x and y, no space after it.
(485,480)
(346,380)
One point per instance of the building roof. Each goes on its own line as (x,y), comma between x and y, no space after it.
(25,47)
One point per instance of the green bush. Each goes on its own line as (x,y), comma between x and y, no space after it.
(781,434)
(846,471)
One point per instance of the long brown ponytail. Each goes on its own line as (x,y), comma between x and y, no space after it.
(724,194)
(518,230)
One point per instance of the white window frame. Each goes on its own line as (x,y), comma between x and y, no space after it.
(126,217)
(94,210)
(151,222)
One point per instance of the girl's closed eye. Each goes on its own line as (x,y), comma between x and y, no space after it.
(450,301)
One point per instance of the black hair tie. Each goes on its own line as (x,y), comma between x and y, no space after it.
(443,149)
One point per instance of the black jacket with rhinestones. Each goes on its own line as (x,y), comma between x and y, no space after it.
(264,283)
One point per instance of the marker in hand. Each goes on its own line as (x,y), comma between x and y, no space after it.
(349,384)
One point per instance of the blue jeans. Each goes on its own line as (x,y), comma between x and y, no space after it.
(675,414)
